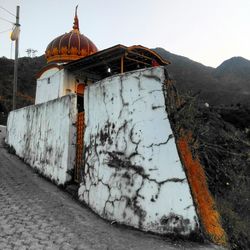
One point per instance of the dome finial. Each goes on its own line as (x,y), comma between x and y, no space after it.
(76,22)
(70,46)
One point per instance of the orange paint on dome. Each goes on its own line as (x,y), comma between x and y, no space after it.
(55,51)
(205,203)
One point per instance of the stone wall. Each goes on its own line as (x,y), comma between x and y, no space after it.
(44,136)
(132,172)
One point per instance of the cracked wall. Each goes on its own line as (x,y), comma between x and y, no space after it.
(132,171)
(44,136)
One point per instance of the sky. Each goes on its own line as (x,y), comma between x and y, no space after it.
(207,31)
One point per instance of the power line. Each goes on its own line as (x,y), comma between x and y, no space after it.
(7,11)
(6,20)
(4,31)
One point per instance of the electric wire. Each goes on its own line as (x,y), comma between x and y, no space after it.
(5,31)
(6,20)
(7,11)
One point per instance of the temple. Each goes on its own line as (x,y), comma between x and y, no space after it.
(101,122)
(74,61)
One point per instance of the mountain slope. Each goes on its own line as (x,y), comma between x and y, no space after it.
(235,74)
(27,69)
(227,84)
(26,87)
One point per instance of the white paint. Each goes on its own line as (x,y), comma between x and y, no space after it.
(54,83)
(49,72)
(44,136)
(132,172)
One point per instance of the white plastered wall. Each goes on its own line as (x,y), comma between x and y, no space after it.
(133,173)
(44,135)
(54,83)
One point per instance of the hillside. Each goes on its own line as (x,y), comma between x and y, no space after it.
(227,84)
(222,147)
(27,69)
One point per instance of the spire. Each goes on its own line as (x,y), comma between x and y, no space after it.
(76,22)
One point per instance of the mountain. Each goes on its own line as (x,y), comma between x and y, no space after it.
(235,72)
(27,70)
(228,84)
(236,66)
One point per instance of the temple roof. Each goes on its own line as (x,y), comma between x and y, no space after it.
(115,60)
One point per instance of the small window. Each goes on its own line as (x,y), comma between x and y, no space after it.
(49,80)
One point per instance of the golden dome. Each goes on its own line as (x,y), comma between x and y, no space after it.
(70,46)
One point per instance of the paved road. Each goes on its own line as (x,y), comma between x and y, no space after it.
(35,214)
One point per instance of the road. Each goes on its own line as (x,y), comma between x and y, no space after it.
(36,214)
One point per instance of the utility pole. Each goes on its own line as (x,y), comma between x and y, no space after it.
(16,60)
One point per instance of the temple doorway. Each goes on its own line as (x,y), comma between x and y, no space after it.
(80,132)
